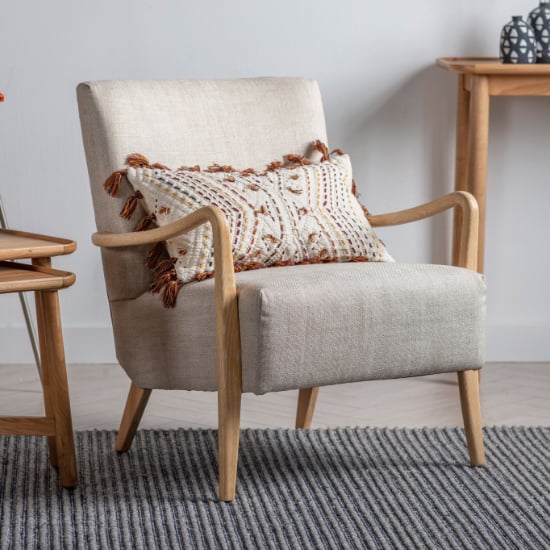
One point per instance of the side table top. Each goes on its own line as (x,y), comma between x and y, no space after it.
(490,65)
(15,245)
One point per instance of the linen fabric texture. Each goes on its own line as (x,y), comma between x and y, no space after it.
(280,216)
(311,325)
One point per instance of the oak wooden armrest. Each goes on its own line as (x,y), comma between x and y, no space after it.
(463,200)
(207,214)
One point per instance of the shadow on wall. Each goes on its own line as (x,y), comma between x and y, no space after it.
(405,147)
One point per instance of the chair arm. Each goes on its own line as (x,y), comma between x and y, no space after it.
(227,316)
(207,214)
(458,199)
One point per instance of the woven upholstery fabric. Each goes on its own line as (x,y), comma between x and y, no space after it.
(311,325)
(246,122)
(283,216)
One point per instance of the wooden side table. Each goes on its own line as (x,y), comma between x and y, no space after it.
(478,80)
(45,282)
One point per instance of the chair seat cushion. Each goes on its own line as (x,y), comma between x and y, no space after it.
(312,325)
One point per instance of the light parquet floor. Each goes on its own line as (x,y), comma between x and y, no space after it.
(512,394)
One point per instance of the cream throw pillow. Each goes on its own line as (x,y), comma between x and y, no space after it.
(300,213)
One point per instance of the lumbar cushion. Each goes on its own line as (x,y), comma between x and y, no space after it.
(293,212)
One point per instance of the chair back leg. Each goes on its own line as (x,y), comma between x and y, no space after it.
(135,405)
(307,398)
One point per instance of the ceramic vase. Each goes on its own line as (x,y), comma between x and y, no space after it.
(539,19)
(517,42)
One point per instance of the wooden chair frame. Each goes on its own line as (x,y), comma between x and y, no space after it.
(228,338)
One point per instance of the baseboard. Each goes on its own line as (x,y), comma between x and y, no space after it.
(95,345)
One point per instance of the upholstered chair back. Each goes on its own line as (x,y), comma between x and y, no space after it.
(245,123)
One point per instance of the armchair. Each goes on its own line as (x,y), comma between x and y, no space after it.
(232,334)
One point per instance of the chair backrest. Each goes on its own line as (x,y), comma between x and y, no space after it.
(244,122)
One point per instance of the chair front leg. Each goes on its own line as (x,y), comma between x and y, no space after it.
(468,384)
(229,425)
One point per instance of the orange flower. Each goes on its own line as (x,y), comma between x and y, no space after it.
(1,96)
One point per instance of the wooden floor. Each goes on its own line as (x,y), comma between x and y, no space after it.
(512,394)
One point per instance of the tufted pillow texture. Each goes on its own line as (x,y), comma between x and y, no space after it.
(294,212)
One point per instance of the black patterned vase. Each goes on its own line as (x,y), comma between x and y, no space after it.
(517,42)
(539,19)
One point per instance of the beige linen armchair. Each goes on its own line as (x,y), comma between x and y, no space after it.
(272,329)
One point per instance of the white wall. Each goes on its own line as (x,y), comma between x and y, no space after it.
(386,104)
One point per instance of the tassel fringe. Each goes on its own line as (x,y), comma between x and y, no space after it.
(323,149)
(145,223)
(112,183)
(130,205)
(135,160)
(153,256)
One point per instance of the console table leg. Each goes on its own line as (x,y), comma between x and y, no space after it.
(478,141)
(461,160)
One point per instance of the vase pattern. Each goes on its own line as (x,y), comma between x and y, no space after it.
(539,19)
(517,42)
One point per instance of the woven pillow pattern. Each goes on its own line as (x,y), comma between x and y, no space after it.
(293,212)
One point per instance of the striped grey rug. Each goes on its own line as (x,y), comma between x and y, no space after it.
(343,488)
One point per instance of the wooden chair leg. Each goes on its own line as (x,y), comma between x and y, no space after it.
(49,398)
(307,398)
(229,425)
(135,405)
(468,385)
(54,369)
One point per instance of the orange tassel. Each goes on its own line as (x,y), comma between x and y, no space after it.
(112,183)
(296,160)
(145,223)
(337,152)
(203,276)
(130,205)
(135,160)
(162,280)
(170,292)
(275,165)
(322,148)
(153,256)
(195,168)
(360,259)
(164,266)
(159,166)
(248,172)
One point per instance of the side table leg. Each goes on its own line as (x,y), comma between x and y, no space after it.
(478,142)
(49,397)
(461,159)
(53,367)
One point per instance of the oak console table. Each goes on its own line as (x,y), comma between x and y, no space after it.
(478,80)
(45,282)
